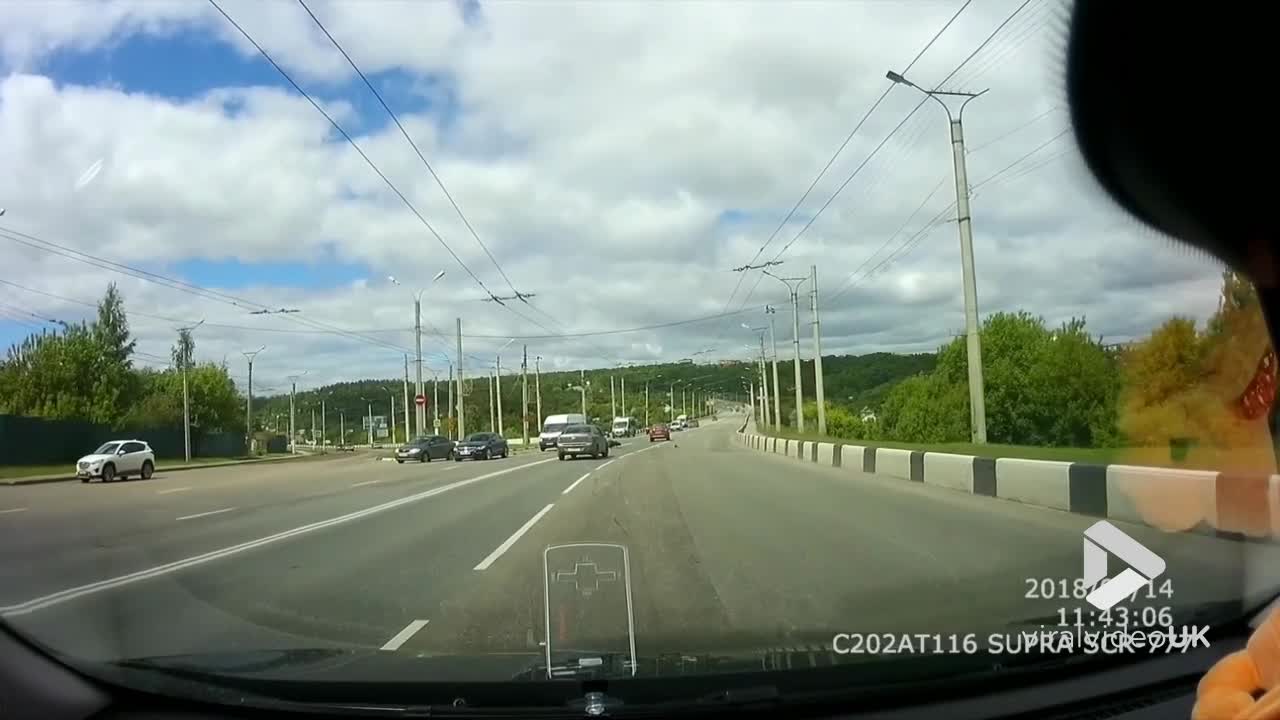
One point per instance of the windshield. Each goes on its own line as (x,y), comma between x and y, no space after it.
(931,358)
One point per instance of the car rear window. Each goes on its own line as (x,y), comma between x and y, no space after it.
(578,430)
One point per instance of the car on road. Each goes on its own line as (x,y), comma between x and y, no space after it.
(117,460)
(691,423)
(582,440)
(482,446)
(676,425)
(659,432)
(425,449)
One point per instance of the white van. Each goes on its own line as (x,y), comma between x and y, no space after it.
(623,427)
(554,425)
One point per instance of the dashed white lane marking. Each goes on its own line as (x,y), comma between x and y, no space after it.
(12,510)
(206,514)
(575,484)
(403,636)
(45,601)
(366,482)
(172,490)
(506,545)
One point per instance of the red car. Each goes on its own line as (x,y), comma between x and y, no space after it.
(659,431)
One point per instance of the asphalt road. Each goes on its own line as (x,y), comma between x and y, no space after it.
(697,545)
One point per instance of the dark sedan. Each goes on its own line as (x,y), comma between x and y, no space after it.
(425,449)
(482,446)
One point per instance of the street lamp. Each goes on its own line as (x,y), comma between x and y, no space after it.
(498,379)
(964,220)
(793,287)
(420,412)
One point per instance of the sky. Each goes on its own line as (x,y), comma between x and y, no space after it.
(613,162)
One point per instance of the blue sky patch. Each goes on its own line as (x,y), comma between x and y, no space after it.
(233,274)
(737,217)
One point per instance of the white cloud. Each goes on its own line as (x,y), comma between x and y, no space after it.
(595,147)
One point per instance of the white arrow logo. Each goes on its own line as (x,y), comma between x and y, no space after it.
(1101,538)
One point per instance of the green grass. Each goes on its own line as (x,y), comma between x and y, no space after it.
(1200,458)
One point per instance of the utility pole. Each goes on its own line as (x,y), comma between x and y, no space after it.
(370,423)
(293,391)
(498,364)
(964,221)
(313,427)
(420,414)
(764,382)
(524,395)
(492,422)
(537,383)
(449,412)
(622,382)
(793,286)
(435,400)
(342,428)
(406,404)
(393,418)
(185,351)
(671,414)
(462,432)
(755,405)
(248,402)
(582,388)
(817,351)
(613,400)
(324,433)
(646,403)
(773,340)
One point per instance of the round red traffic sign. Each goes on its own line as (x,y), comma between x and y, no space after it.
(420,400)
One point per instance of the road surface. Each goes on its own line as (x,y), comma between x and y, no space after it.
(696,545)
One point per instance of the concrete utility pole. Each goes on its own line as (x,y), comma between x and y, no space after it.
(773,341)
(817,351)
(435,399)
(324,433)
(342,428)
(186,401)
(420,416)
(755,403)
(313,427)
(582,388)
(622,383)
(537,382)
(406,404)
(449,411)
(498,380)
(492,415)
(293,391)
(671,414)
(793,286)
(646,403)
(524,395)
(613,400)
(462,425)
(393,417)
(370,422)
(248,401)
(964,221)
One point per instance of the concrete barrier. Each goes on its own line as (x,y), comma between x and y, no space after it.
(1126,483)
(852,458)
(893,462)
(949,471)
(797,448)
(826,454)
(1035,482)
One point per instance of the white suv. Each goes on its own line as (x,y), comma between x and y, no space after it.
(117,459)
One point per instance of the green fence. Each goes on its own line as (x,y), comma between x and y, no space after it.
(40,441)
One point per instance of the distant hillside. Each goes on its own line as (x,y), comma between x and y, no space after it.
(851,380)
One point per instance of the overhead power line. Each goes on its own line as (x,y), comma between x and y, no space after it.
(848,138)
(100,263)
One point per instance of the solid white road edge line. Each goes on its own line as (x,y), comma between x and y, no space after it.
(172,490)
(366,482)
(62,596)
(506,545)
(12,510)
(604,465)
(205,514)
(403,636)
(569,489)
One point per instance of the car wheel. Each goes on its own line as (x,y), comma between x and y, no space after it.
(147,470)
(561,456)
(108,473)
(84,479)
(424,457)
(399,461)
(606,452)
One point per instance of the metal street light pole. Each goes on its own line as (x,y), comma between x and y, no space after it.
(186,402)
(248,401)
(817,352)
(462,431)
(964,220)
(406,402)
(524,396)
(293,391)
(537,383)
(492,407)
(582,387)
(498,365)
(793,286)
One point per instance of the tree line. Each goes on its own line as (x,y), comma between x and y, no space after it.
(1048,386)
(85,371)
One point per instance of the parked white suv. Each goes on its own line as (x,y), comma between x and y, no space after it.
(117,460)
